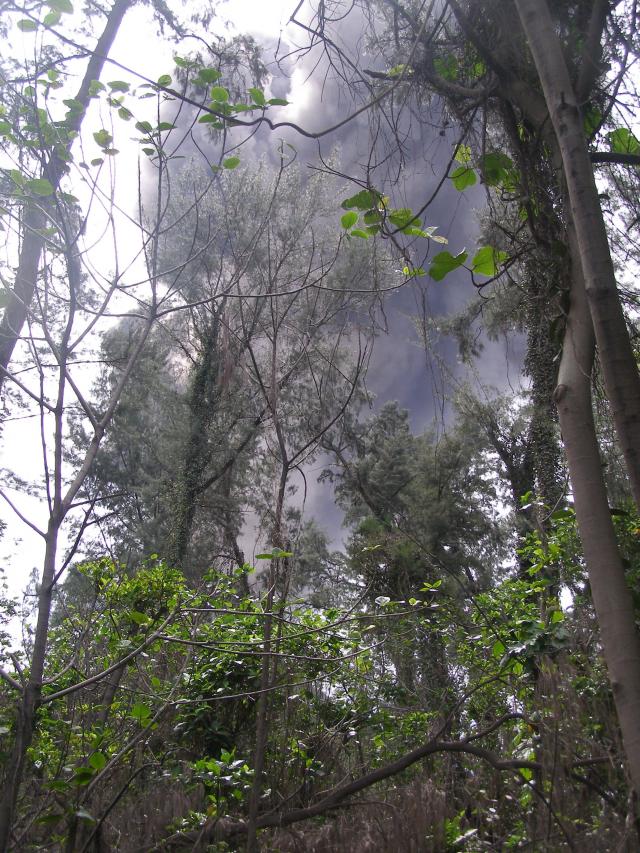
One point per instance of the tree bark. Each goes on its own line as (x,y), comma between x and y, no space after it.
(620,371)
(611,596)
(35,219)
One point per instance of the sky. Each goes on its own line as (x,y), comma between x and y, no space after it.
(400,369)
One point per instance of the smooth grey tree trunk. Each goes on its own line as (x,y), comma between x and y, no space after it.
(611,595)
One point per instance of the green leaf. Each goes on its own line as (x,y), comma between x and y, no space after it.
(358,232)
(138,618)
(402,217)
(444,262)
(275,554)
(103,137)
(463,154)
(40,186)
(278,102)
(125,114)
(623,141)
(141,713)
(27,26)
(164,80)
(51,818)
(364,200)
(209,118)
(556,616)
(592,120)
(219,94)
(258,97)
(498,649)
(495,168)
(95,87)
(487,260)
(98,760)
(413,272)
(65,7)
(144,126)
(97,161)
(463,177)
(231,162)
(349,219)
(208,75)
(51,19)
(166,125)
(83,775)
(119,86)
(149,151)
(74,105)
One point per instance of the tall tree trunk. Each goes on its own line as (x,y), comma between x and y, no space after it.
(34,219)
(620,371)
(611,596)
(26,722)
(202,409)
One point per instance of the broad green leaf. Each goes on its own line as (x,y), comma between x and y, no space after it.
(166,125)
(231,162)
(74,105)
(95,87)
(364,200)
(495,168)
(402,217)
(372,217)
(556,616)
(98,760)
(138,618)
(97,161)
(40,186)
(27,26)
(119,86)
(444,262)
(83,775)
(219,94)
(51,19)
(149,151)
(413,272)
(103,137)
(144,126)
(592,120)
(208,75)
(463,177)
(65,7)
(258,97)
(125,114)
(164,80)
(349,219)
(140,712)
(278,102)
(358,232)
(498,649)
(623,141)
(487,260)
